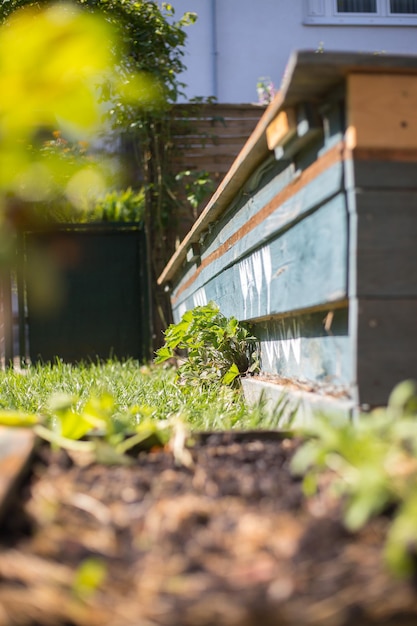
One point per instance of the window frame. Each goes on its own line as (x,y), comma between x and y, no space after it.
(324,12)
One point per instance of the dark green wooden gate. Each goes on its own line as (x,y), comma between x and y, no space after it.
(87,297)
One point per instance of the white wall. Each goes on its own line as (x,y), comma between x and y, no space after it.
(254,38)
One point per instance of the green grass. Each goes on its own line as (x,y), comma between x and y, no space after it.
(142,391)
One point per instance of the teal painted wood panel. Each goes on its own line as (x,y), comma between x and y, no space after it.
(282,215)
(312,347)
(250,203)
(281,218)
(301,267)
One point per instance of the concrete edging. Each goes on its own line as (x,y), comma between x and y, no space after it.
(298,408)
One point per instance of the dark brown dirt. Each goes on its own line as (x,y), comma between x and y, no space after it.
(228,541)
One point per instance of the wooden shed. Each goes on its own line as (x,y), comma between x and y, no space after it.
(312,235)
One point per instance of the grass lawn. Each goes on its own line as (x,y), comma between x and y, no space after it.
(137,391)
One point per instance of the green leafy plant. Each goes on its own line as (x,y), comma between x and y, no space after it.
(197,186)
(219,349)
(374,466)
(119,206)
(93,426)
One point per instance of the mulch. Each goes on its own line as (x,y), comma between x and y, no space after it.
(228,539)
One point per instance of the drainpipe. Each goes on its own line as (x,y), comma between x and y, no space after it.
(214,51)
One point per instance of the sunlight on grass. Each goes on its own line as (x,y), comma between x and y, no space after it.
(140,390)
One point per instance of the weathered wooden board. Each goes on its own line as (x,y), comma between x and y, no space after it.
(382,170)
(267,184)
(386,345)
(16,448)
(287,206)
(386,255)
(310,347)
(299,268)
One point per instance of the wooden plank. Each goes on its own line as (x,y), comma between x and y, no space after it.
(215,126)
(387,346)
(196,141)
(16,448)
(313,347)
(208,151)
(219,105)
(243,216)
(282,128)
(212,158)
(386,263)
(298,268)
(381,174)
(310,76)
(381,111)
(198,165)
(205,110)
(263,217)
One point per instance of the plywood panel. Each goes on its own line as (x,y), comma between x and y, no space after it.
(381,111)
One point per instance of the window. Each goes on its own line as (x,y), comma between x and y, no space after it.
(356,6)
(403,6)
(361,12)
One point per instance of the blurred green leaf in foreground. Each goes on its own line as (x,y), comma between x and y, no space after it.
(53,64)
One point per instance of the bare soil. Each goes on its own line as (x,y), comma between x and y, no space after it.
(229,540)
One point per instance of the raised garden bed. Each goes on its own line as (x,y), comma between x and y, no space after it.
(311,235)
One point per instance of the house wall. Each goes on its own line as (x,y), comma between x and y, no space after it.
(235,42)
